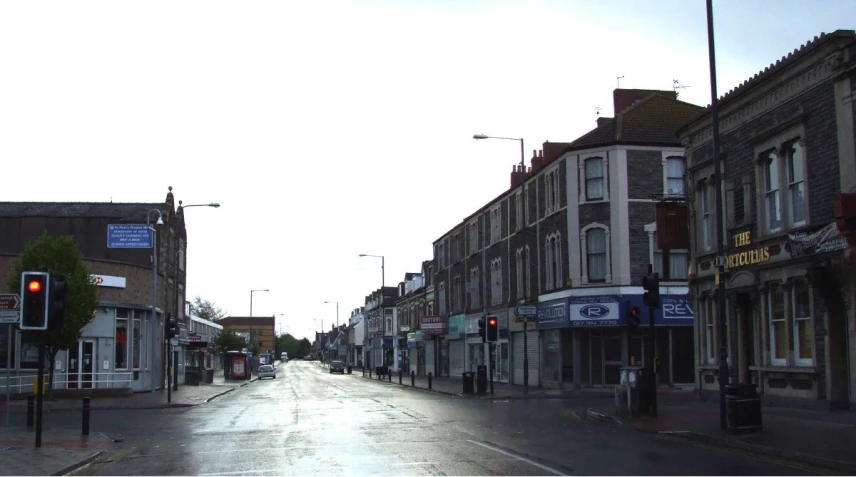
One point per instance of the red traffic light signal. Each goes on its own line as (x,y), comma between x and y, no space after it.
(35,312)
(492,322)
(35,286)
(634,312)
(492,330)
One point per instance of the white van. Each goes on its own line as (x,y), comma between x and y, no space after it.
(284,357)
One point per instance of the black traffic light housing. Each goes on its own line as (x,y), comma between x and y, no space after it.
(35,300)
(634,315)
(482,330)
(492,329)
(651,285)
(57,302)
(171,330)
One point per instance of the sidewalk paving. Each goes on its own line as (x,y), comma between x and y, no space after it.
(818,438)
(62,451)
(185,396)
(454,386)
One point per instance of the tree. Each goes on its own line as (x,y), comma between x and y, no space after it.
(207,309)
(60,256)
(229,340)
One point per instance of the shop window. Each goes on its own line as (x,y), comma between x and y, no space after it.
(121,338)
(137,339)
(778,325)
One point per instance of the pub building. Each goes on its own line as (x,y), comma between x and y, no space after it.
(787,145)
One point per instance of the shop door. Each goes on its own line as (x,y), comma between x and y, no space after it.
(500,360)
(81,365)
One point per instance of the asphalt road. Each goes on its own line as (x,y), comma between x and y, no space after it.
(309,422)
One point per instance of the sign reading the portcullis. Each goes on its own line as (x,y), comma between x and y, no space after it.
(749,257)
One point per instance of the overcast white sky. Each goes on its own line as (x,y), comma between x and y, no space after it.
(332,128)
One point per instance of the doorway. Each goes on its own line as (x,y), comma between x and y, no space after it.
(81,365)
(500,361)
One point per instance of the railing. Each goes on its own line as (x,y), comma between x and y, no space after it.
(25,383)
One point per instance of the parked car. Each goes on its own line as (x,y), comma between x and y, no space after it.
(266,371)
(337,367)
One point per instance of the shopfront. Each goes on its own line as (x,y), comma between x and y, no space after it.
(500,352)
(476,347)
(523,344)
(552,323)
(455,345)
(433,328)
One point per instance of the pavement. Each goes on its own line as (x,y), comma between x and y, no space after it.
(309,422)
(64,449)
(822,439)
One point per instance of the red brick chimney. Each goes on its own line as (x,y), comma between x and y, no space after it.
(518,175)
(537,161)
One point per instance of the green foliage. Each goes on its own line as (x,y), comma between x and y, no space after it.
(60,256)
(295,348)
(207,309)
(228,340)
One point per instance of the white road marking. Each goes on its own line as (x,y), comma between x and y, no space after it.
(518,457)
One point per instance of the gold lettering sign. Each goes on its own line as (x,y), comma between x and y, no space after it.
(752,257)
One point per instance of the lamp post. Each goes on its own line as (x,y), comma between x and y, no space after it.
(720,232)
(154,319)
(179,306)
(380,302)
(522,154)
(337,321)
(251,299)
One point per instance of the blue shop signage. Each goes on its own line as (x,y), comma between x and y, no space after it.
(552,314)
(599,310)
(675,310)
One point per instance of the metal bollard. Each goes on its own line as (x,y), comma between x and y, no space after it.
(85,426)
(31,410)
(370,373)
(429,379)
(388,375)
(399,376)
(413,378)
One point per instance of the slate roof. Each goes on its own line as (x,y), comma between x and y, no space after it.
(775,68)
(114,210)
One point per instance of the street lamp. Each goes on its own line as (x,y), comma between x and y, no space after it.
(251,299)
(522,154)
(181,207)
(154,321)
(380,303)
(337,320)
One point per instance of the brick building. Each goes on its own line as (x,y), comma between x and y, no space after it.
(261,330)
(787,140)
(573,236)
(123,344)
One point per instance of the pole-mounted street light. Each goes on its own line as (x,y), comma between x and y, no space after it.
(154,322)
(522,154)
(251,298)
(380,302)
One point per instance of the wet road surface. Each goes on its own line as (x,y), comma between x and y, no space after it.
(309,422)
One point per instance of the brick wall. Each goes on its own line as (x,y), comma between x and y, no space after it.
(640,215)
(644,174)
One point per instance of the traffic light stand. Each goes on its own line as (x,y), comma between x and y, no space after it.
(490,357)
(40,389)
(169,373)
(650,360)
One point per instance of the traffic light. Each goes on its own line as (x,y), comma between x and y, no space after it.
(492,329)
(633,315)
(57,303)
(482,331)
(171,330)
(651,285)
(35,289)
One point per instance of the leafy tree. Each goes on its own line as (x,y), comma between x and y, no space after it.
(60,256)
(207,309)
(228,340)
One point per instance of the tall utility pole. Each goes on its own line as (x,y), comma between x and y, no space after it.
(720,233)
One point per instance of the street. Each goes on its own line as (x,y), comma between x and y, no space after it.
(309,422)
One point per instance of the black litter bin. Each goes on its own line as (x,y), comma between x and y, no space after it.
(468,379)
(350,369)
(742,409)
(481,378)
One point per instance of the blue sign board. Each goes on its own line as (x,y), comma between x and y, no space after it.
(552,314)
(129,236)
(675,310)
(599,310)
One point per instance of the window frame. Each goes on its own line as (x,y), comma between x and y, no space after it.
(584,254)
(781,146)
(705,188)
(474,297)
(518,273)
(667,178)
(772,190)
(771,322)
(125,350)
(518,211)
(790,148)
(587,180)
(496,281)
(795,332)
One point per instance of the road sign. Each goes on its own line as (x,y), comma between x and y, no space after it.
(526,311)
(129,236)
(9,309)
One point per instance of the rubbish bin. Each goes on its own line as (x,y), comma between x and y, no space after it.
(350,369)
(742,409)
(481,378)
(468,378)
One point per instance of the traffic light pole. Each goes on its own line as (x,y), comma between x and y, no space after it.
(40,389)
(490,356)
(169,372)
(650,359)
